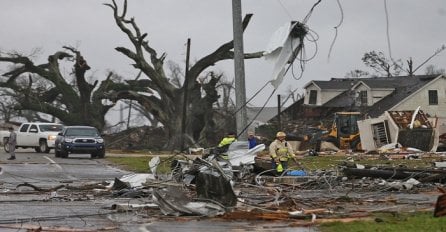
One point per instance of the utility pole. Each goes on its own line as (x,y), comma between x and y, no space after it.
(279,120)
(131,103)
(185,96)
(239,67)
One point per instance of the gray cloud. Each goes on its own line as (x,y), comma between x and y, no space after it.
(416,30)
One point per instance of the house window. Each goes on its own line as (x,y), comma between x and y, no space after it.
(363,98)
(433,97)
(313,97)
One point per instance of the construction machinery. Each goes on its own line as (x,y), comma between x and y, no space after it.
(344,132)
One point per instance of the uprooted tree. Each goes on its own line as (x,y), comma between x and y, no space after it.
(44,88)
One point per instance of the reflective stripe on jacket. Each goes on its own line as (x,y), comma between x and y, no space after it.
(226,141)
(281,149)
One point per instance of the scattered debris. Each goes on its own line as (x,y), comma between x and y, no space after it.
(440,206)
(237,188)
(403,128)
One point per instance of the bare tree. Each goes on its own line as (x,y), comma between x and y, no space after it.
(85,101)
(433,70)
(166,104)
(43,88)
(381,64)
(356,74)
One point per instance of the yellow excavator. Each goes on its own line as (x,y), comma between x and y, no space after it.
(344,132)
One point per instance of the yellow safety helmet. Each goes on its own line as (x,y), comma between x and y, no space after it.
(280,134)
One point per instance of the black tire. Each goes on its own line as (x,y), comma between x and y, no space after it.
(356,145)
(333,140)
(37,149)
(98,154)
(6,145)
(43,146)
(101,154)
(5,140)
(57,153)
(63,154)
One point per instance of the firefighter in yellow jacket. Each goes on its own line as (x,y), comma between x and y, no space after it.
(223,146)
(280,151)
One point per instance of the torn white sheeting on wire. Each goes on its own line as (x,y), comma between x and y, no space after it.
(281,49)
(239,154)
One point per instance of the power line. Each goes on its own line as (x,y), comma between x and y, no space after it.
(285,9)
(336,28)
(307,17)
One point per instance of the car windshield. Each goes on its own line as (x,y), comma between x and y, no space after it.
(50,127)
(91,132)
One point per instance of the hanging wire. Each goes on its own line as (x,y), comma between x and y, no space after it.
(336,29)
(253,96)
(258,113)
(307,17)
(299,52)
(285,9)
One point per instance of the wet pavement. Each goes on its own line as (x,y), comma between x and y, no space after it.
(23,208)
(38,190)
(32,198)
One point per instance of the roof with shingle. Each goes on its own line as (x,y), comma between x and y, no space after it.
(334,83)
(381,84)
(406,86)
(403,87)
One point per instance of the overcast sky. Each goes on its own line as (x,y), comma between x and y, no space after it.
(416,29)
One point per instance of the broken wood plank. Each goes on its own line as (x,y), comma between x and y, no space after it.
(440,206)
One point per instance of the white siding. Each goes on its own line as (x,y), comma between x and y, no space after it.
(323,96)
(327,95)
(373,95)
(366,131)
(377,95)
(307,94)
(421,98)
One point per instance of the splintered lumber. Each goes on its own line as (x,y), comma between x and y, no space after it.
(440,206)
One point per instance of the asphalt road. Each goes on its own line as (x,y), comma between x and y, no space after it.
(30,198)
(27,201)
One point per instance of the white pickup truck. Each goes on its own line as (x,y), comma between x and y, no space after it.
(37,135)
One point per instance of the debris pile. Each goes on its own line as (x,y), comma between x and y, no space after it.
(234,188)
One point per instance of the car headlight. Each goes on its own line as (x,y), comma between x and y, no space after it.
(51,137)
(68,140)
(99,140)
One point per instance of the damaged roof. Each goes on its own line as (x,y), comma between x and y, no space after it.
(403,87)
(334,83)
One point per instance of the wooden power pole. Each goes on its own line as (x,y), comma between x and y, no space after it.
(185,96)
(239,67)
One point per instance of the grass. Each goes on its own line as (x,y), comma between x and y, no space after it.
(311,163)
(421,221)
(308,163)
(140,164)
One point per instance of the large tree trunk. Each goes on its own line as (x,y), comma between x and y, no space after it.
(168,106)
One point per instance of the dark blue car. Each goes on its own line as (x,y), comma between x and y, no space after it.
(79,140)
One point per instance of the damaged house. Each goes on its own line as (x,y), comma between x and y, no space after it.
(372,97)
